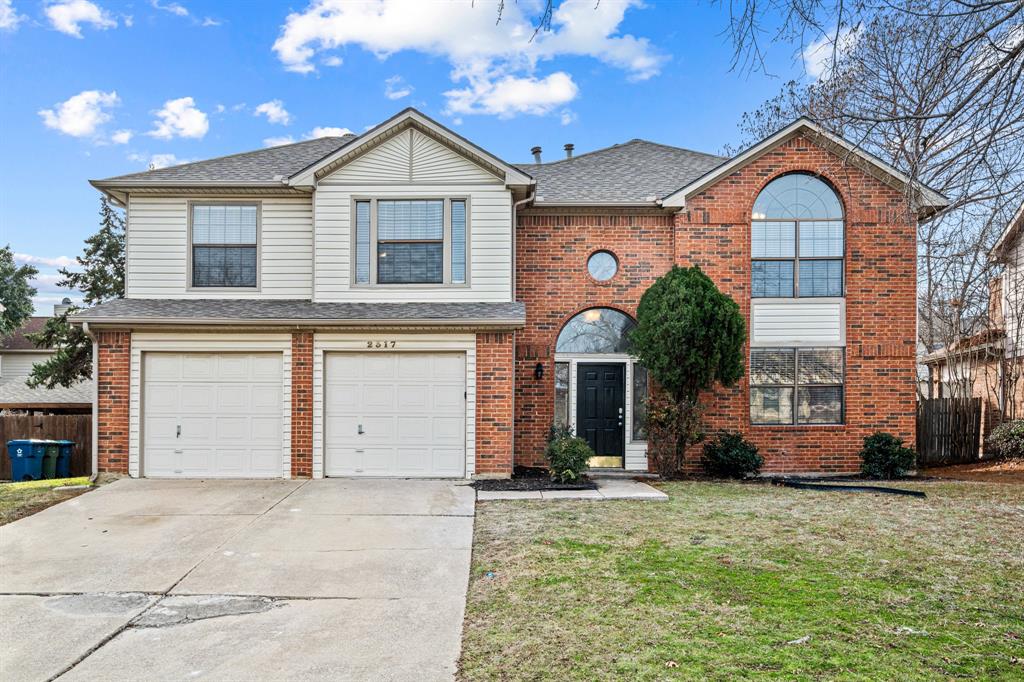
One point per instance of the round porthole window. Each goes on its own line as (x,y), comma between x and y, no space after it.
(602,265)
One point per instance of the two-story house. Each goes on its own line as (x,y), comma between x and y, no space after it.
(404,303)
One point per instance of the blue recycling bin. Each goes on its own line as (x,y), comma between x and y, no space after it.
(64,458)
(26,459)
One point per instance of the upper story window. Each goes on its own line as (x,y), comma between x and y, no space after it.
(410,241)
(224,245)
(797,239)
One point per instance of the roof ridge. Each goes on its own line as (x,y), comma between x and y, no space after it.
(235,155)
(623,144)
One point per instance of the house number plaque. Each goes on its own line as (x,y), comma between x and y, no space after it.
(381,344)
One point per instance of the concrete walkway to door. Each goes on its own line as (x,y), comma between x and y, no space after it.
(228,580)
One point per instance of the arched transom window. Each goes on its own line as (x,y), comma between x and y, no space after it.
(797,239)
(598,330)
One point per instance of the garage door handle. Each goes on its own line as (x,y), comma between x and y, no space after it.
(360,430)
(178,434)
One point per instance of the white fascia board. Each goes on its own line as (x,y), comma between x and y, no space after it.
(513,176)
(677,199)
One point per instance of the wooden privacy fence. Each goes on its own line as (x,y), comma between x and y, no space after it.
(948,431)
(76,427)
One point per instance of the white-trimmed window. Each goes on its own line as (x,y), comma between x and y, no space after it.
(796,385)
(410,241)
(224,245)
(797,239)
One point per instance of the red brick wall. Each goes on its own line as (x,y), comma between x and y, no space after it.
(552,280)
(302,404)
(494,403)
(714,233)
(112,385)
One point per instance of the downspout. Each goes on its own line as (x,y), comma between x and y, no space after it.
(515,227)
(95,402)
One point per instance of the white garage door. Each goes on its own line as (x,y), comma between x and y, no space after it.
(212,415)
(395,414)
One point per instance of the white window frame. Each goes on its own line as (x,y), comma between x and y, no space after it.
(446,282)
(189,286)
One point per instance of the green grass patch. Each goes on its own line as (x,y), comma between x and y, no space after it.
(24,498)
(735,581)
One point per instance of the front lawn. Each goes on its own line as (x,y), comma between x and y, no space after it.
(730,580)
(18,500)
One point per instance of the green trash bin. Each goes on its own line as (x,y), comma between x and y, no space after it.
(52,452)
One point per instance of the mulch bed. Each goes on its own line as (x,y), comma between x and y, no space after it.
(531,478)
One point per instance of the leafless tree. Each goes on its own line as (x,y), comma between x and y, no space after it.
(933,87)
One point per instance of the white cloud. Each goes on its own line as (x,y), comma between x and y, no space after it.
(81,115)
(122,136)
(818,55)
(69,15)
(497,61)
(278,141)
(331,60)
(567,116)
(180,118)
(171,7)
(210,21)
(511,95)
(396,88)
(9,17)
(156,161)
(274,111)
(327,131)
(219,109)
(51,262)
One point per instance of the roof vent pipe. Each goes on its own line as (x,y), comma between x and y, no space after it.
(568,150)
(536,154)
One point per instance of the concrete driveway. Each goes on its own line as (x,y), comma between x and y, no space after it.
(239,580)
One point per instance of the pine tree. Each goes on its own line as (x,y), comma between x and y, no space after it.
(15,293)
(100,279)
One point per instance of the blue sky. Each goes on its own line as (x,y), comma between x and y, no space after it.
(94,88)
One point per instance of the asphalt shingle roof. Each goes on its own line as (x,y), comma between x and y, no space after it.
(19,340)
(15,393)
(637,171)
(261,166)
(144,310)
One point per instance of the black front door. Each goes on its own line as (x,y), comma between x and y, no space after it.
(600,411)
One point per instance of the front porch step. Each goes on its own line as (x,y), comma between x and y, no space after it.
(598,474)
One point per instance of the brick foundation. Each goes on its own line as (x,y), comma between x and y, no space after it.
(302,405)
(494,391)
(113,380)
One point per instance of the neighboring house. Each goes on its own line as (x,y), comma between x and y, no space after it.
(404,303)
(988,363)
(17,356)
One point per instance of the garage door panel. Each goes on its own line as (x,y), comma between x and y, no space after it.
(198,367)
(228,407)
(196,397)
(412,409)
(414,397)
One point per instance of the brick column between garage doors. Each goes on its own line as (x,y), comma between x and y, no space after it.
(302,405)
(494,388)
(113,382)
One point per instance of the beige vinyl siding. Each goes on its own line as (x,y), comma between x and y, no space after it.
(157,249)
(432,162)
(19,365)
(387,162)
(1013,298)
(797,322)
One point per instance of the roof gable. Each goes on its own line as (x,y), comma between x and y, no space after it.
(1009,235)
(928,201)
(427,127)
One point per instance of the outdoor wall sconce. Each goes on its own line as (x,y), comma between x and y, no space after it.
(538,371)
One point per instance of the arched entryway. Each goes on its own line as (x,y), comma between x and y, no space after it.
(600,391)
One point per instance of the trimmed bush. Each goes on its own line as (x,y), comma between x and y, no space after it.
(885,456)
(568,456)
(1007,440)
(730,455)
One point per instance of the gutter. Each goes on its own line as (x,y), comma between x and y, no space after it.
(303,322)
(95,402)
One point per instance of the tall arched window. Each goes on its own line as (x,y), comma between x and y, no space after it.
(797,239)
